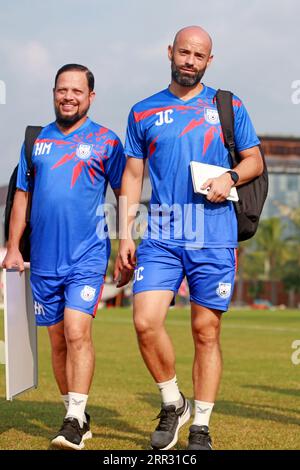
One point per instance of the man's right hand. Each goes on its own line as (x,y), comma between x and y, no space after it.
(127,253)
(13,260)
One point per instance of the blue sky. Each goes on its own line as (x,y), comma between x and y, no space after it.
(125,44)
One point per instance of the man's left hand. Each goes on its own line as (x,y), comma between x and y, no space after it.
(219,188)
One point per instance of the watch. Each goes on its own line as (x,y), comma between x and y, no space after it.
(234,176)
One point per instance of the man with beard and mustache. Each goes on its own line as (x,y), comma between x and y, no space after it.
(74,159)
(188,234)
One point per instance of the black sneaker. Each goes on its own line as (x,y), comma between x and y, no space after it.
(171,419)
(199,438)
(71,435)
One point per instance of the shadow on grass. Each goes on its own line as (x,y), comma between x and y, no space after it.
(282,391)
(254,411)
(43,419)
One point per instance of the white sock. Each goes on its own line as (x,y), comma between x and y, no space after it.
(203,411)
(65,399)
(170,394)
(77,404)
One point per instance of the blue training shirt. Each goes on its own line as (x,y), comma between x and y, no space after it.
(171,133)
(71,173)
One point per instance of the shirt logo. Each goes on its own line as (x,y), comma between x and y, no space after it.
(224,290)
(84,151)
(88,293)
(211,116)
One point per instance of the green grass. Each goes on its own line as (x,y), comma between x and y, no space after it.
(258,406)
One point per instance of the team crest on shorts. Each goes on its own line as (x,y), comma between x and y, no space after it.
(211,116)
(88,293)
(224,290)
(84,151)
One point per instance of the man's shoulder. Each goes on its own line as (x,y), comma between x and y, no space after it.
(211,93)
(236,101)
(47,128)
(150,102)
(99,130)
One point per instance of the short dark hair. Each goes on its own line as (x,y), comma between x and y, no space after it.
(80,68)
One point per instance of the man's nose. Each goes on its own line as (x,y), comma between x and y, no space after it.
(69,95)
(190,60)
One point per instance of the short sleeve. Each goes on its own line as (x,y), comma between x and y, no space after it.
(134,145)
(22,180)
(244,132)
(115,164)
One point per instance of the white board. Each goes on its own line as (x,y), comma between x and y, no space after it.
(20,333)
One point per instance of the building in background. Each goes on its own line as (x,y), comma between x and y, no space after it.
(283,161)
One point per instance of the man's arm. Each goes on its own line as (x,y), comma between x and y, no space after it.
(129,202)
(17,226)
(250,167)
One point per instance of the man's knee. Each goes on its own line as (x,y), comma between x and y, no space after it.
(144,325)
(207,335)
(77,337)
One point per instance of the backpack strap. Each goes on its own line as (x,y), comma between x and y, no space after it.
(226,114)
(31,134)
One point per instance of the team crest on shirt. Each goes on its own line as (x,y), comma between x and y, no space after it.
(88,293)
(84,151)
(224,290)
(211,116)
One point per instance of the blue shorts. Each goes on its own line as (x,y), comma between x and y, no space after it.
(210,272)
(78,291)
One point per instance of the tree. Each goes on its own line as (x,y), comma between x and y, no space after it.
(270,252)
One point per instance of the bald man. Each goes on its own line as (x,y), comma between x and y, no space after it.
(188,234)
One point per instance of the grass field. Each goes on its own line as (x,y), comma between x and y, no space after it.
(258,405)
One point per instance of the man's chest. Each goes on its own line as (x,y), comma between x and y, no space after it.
(179,123)
(73,159)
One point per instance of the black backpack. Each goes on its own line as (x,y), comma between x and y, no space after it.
(252,195)
(31,134)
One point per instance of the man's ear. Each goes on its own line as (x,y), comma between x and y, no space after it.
(210,60)
(92,96)
(170,52)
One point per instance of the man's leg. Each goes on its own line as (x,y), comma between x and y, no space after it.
(207,367)
(150,310)
(81,355)
(149,313)
(210,274)
(80,365)
(59,355)
(48,293)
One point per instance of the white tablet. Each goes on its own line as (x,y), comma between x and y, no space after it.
(203,171)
